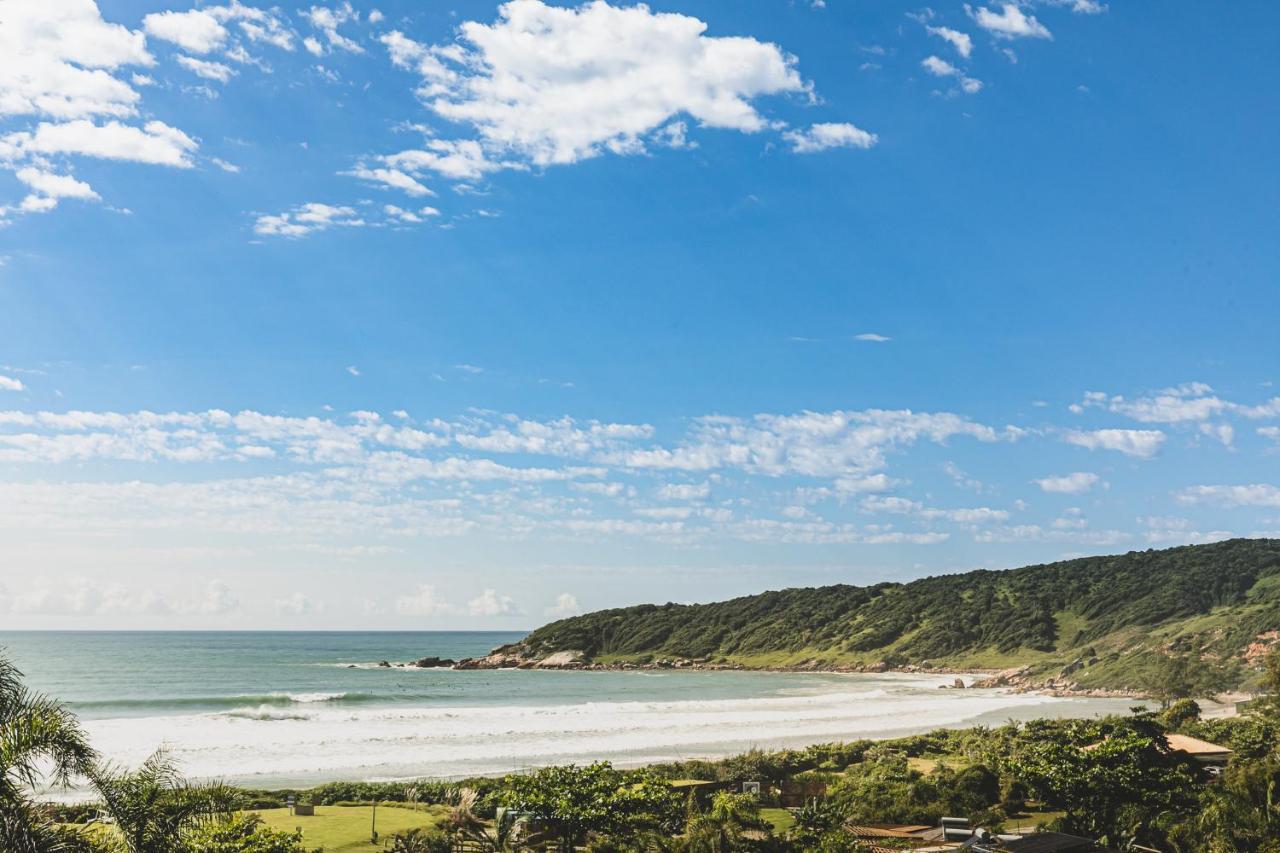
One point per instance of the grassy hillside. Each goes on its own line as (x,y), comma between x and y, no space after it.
(1131,611)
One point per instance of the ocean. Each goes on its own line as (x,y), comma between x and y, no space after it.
(292,709)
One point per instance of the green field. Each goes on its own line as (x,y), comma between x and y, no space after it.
(338,829)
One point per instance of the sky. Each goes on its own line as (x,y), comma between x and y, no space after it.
(454,315)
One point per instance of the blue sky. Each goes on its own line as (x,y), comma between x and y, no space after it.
(467,315)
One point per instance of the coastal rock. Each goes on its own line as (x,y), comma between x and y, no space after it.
(562,660)
(1008,678)
(433,662)
(385,663)
(510,656)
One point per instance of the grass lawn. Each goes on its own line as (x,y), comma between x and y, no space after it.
(338,829)
(782,819)
(928,765)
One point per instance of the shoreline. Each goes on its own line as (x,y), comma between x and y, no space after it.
(1018,679)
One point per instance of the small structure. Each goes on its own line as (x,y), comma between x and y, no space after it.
(1208,754)
(304,810)
(796,792)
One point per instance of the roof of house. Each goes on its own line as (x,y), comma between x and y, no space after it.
(1195,746)
(1182,743)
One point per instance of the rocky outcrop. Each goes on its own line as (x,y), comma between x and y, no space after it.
(510,656)
(433,662)
(562,660)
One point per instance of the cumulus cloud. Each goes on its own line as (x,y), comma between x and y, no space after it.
(1076,483)
(962,43)
(155,142)
(941,68)
(553,85)
(1143,443)
(826,135)
(206,69)
(1189,402)
(490,603)
(298,604)
(825,444)
(1009,23)
(1253,494)
(59,59)
(197,30)
(422,602)
(566,605)
(306,219)
(9,383)
(327,20)
(684,492)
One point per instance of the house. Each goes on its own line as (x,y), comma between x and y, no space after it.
(1208,754)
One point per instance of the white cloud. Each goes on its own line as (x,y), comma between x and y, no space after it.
(9,383)
(1142,443)
(825,135)
(327,20)
(1255,494)
(206,69)
(196,30)
(1069,484)
(960,41)
(554,85)
(393,179)
(57,59)
(218,600)
(566,605)
(298,604)
(422,602)
(904,506)
(489,603)
(52,187)
(155,142)
(1009,23)
(836,444)
(1189,402)
(872,337)
(941,68)
(306,219)
(453,158)
(1272,433)
(684,492)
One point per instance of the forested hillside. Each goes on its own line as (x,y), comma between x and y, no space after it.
(1212,605)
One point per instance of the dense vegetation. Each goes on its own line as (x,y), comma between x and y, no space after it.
(1113,779)
(1208,602)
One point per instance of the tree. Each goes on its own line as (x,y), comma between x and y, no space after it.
(576,801)
(39,739)
(155,808)
(1118,790)
(732,822)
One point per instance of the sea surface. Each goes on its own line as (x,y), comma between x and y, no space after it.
(294,709)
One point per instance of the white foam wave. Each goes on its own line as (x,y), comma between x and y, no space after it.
(331,740)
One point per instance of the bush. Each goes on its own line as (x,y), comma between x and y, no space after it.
(243,834)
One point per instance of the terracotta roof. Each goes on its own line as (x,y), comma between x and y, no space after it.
(1195,746)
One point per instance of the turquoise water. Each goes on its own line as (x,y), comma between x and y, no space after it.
(294,709)
(123,673)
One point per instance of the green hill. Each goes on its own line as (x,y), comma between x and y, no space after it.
(1129,614)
